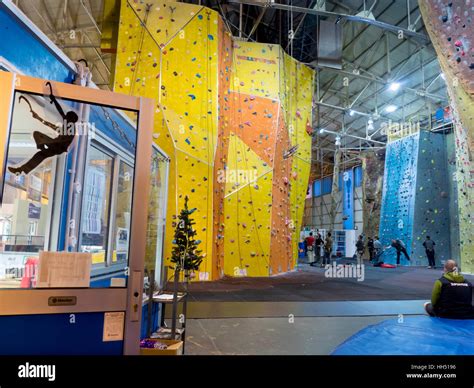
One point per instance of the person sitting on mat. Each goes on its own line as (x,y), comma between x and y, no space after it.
(400,247)
(451,296)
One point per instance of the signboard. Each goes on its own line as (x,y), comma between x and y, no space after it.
(348,199)
(34,211)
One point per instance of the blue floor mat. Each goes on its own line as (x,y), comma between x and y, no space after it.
(412,336)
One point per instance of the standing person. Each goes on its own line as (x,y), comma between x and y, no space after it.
(327,250)
(370,247)
(400,247)
(378,249)
(360,247)
(430,252)
(451,296)
(310,248)
(317,245)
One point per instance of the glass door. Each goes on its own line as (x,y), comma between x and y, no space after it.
(72,216)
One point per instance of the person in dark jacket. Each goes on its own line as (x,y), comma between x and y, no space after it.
(317,246)
(451,296)
(371,249)
(360,247)
(327,250)
(430,252)
(400,247)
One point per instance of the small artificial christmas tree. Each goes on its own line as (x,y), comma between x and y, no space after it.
(185,254)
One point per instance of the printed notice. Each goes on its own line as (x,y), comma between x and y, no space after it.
(64,270)
(113,326)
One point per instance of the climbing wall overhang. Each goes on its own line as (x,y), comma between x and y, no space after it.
(235,117)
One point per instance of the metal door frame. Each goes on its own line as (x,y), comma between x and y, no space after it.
(129,299)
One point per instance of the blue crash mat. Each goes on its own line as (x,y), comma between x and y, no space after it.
(412,336)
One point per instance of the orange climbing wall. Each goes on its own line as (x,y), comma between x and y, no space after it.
(224,109)
(271,112)
(451,29)
(225,114)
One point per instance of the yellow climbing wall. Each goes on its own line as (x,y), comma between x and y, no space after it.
(271,144)
(226,112)
(449,24)
(298,94)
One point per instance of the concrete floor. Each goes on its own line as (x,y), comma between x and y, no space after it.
(283,328)
(272,336)
(299,313)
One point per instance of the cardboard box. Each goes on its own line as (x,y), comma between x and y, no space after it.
(175,348)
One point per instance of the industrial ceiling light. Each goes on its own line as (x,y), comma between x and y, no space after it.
(321,131)
(351,113)
(370,121)
(443,76)
(391,108)
(394,86)
(338,141)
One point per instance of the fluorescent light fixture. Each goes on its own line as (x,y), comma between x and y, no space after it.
(394,86)
(391,108)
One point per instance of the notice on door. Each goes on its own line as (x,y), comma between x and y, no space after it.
(64,270)
(113,326)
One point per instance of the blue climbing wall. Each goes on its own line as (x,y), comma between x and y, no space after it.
(432,198)
(398,197)
(416,194)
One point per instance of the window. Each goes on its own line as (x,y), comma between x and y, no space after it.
(27,207)
(327,185)
(358,177)
(96,204)
(123,208)
(156,217)
(317,188)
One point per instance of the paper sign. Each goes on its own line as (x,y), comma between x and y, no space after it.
(122,240)
(118,282)
(64,270)
(113,326)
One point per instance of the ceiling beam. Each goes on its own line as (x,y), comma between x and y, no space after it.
(340,16)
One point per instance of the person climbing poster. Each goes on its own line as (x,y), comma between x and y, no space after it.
(48,146)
